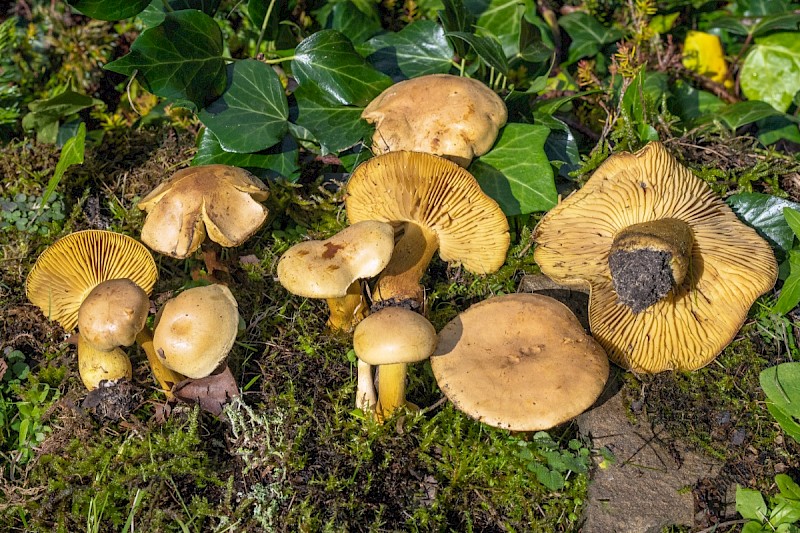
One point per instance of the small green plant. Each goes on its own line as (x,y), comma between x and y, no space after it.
(782,515)
(26,212)
(781,384)
(790,294)
(551,463)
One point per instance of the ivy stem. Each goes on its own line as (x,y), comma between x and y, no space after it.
(277,60)
(167,7)
(264,26)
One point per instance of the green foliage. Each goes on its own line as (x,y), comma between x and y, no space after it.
(771,70)
(781,515)
(781,384)
(46,115)
(551,464)
(29,213)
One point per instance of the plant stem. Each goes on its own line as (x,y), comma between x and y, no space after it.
(264,26)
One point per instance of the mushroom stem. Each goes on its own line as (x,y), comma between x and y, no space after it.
(165,377)
(648,260)
(365,393)
(391,390)
(411,257)
(96,365)
(348,310)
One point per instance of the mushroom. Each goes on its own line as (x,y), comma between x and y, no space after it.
(391,338)
(220,200)
(111,274)
(672,271)
(456,118)
(433,204)
(195,330)
(331,269)
(521,362)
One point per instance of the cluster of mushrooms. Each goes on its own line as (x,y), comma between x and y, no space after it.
(670,269)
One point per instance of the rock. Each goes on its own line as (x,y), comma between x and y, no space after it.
(649,485)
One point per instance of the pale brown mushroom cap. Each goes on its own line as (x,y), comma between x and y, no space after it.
(67,271)
(520,362)
(730,264)
(112,314)
(220,200)
(394,335)
(437,194)
(454,117)
(196,330)
(326,269)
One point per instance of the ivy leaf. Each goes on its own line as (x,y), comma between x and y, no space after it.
(278,160)
(329,59)
(153,15)
(516,172)
(771,70)
(764,213)
(419,49)
(742,113)
(180,59)
(487,48)
(588,35)
(455,18)
(351,21)
(109,9)
(335,127)
(500,19)
(251,115)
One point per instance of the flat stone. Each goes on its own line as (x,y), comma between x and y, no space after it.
(649,485)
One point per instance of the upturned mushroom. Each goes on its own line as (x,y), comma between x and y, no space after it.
(332,268)
(454,117)
(390,339)
(521,362)
(111,275)
(195,330)
(672,271)
(433,204)
(218,200)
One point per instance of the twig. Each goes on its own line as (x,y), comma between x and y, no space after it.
(722,524)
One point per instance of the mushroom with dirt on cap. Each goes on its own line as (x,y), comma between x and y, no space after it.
(97,280)
(521,362)
(195,330)
(454,117)
(390,338)
(434,205)
(219,200)
(672,271)
(332,268)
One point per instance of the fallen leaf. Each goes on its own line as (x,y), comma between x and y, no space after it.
(211,392)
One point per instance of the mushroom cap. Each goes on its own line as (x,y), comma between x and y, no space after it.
(325,269)
(456,118)
(113,313)
(730,264)
(520,361)
(437,194)
(220,200)
(196,330)
(67,271)
(394,335)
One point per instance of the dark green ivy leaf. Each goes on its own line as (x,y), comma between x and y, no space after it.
(109,9)
(334,126)
(764,213)
(278,160)
(487,48)
(351,21)
(251,115)
(588,35)
(153,15)
(328,59)
(180,59)
(419,49)
(516,171)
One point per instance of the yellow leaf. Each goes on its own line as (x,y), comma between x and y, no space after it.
(702,53)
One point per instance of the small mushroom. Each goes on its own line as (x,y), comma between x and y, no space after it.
(434,205)
(391,338)
(454,117)
(672,271)
(521,362)
(196,330)
(219,200)
(332,268)
(111,274)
